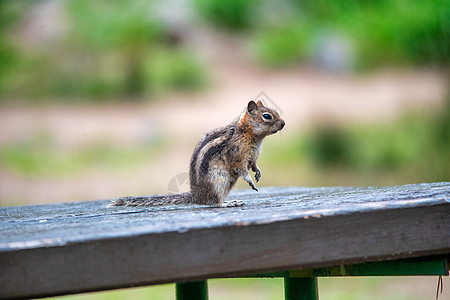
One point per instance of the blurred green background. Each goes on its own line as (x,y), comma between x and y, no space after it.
(100,99)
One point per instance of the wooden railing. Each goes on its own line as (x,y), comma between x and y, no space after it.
(296,233)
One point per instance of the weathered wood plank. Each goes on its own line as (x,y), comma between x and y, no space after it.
(74,247)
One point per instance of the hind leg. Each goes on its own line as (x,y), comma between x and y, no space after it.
(222,183)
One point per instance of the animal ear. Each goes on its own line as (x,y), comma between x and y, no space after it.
(251,106)
(259,103)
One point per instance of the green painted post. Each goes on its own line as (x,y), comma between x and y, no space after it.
(300,288)
(194,290)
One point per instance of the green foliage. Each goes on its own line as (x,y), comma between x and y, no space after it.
(283,46)
(149,64)
(10,14)
(414,142)
(112,49)
(363,148)
(173,70)
(231,14)
(401,32)
(8,61)
(383,32)
(124,24)
(328,146)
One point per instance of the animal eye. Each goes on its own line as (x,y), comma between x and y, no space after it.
(267,116)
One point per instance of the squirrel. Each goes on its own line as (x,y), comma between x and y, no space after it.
(220,158)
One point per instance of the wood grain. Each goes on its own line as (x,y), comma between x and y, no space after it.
(86,246)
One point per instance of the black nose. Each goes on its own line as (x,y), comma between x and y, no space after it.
(282,124)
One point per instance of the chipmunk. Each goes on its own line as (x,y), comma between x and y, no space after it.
(220,158)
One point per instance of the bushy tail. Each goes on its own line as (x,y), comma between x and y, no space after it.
(155,200)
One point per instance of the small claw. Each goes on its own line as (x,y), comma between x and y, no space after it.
(252,185)
(258,175)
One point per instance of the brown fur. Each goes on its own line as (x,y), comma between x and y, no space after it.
(220,158)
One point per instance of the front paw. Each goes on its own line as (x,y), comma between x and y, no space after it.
(258,175)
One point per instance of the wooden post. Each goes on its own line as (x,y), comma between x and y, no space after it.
(300,288)
(194,290)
